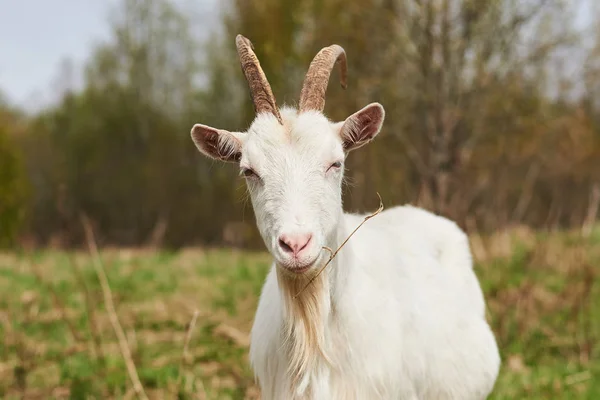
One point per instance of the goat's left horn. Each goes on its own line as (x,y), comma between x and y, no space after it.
(315,83)
(260,90)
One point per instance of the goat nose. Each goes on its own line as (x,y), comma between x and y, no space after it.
(294,244)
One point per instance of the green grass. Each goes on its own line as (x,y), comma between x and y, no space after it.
(542,290)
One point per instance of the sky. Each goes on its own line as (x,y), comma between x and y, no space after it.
(37,35)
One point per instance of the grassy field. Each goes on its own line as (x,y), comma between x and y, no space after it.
(543,293)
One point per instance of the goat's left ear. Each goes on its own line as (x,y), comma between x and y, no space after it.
(362,126)
(217,143)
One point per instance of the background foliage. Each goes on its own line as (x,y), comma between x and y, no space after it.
(492,116)
(13,180)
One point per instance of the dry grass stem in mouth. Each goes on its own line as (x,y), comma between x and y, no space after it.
(110,309)
(332,253)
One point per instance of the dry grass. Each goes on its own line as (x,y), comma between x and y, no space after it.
(186,316)
(156,295)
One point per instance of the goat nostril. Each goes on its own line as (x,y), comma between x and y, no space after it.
(294,243)
(286,247)
(306,242)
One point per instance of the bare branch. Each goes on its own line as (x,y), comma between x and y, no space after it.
(413,155)
(526,193)
(592,211)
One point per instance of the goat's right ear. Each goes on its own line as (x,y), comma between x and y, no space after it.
(217,143)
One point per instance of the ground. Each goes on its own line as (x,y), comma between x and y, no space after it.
(542,289)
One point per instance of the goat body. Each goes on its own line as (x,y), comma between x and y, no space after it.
(398,314)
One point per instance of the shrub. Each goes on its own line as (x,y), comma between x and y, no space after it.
(13,189)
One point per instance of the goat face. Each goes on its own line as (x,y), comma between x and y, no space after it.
(294,174)
(292,161)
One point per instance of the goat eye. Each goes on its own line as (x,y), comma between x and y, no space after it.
(249,173)
(335,165)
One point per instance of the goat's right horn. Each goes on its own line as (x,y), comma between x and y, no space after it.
(260,90)
(315,83)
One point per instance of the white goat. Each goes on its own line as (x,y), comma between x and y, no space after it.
(399,313)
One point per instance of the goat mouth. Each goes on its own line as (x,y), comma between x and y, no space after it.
(302,269)
(299,268)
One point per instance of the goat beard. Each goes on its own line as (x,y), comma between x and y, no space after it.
(305,315)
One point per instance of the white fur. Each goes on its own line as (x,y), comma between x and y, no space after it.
(398,314)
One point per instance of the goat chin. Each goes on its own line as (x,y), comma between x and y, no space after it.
(398,314)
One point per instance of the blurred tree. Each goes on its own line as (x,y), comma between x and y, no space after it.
(13,179)
(119,143)
(482,122)
(456,76)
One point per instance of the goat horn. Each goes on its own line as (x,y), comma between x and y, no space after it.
(315,83)
(260,90)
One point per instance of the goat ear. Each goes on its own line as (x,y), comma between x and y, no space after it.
(362,126)
(217,143)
